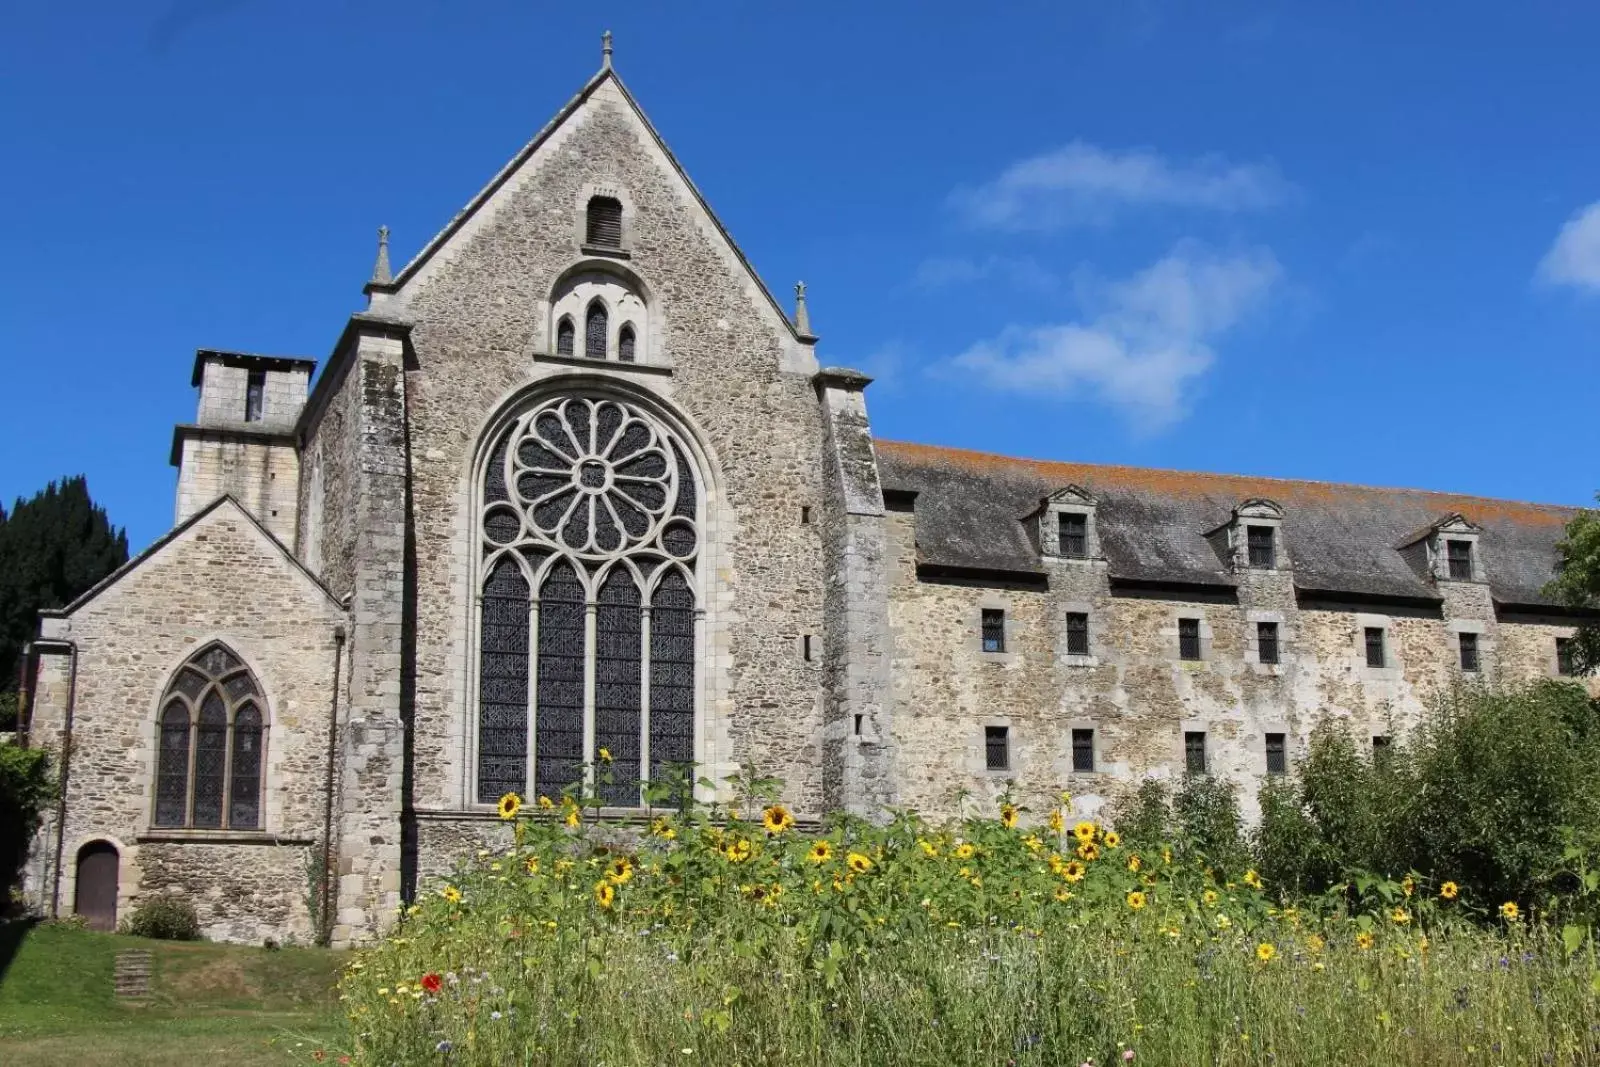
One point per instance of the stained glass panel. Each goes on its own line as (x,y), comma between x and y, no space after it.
(594,331)
(172,769)
(672,655)
(494,477)
(564,337)
(244,787)
(558,726)
(685,504)
(503,684)
(210,761)
(618,658)
(191,683)
(625,345)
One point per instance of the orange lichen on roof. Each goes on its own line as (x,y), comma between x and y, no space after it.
(1285,491)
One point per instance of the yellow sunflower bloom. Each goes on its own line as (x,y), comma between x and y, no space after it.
(929,849)
(1072,871)
(1089,851)
(737,851)
(572,818)
(1112,839)
(1408,885)
(510,804)
(1449,891)
(605,894)
(821,852)
(1056,821)
(662,828)
(605,755)
(1008,815)
(1315,944)
(858,863)
(1166,856)
(451,893)
(1063,894)
(1509,911)
(1134,863)
(965,851)
(1265,951)
(1210,898)
(776,819)
(545,803)
(1399,916)
(1136,900)
(533,864)
(1033,844)
(1084,831)
(1252,879)
(1365,941)
(1055,862)
(620,871)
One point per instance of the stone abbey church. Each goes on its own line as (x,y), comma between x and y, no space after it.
(574,479)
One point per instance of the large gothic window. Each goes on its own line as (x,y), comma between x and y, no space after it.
(209,742)
(591,540)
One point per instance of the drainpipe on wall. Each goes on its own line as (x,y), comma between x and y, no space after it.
(325,935)
(28,668)
(66,766)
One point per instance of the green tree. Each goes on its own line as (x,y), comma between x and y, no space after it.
(1577,584)
(53,547)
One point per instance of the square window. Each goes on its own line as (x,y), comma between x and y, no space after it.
(1188,638)
(1375,655)
(1074,535)
(1459,553)
(1077,633)
(997,748)
(1262,552)
(1194,751)
(1083,751)
(1277,754)
(1469,652)
(1564,664)
(254,395)
(994,630)
(1267,642)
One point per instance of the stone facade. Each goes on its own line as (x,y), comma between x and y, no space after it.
(341,543)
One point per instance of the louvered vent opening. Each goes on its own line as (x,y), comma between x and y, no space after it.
(605,222)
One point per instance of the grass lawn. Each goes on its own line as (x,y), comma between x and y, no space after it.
(251,1005)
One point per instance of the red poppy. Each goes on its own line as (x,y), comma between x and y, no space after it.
(431,983)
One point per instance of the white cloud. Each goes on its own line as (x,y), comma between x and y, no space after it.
(940,272)
(1147,341)
(1575,257)
(1085,184)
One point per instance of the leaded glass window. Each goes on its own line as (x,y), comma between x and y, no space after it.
(625,344)
(595,324)
(209,744)
(593,504)
(565,337)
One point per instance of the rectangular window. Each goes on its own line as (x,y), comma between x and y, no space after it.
(1469,652)
(1083,751)
(994,630)
(1267,642)
(1194,751)
(1074,535)
(1077,633)
(997,748)
(1188,638)
(254,395)
(1564,664)
(1277,754)
(1375,656)
(1262,553)
(1459,554)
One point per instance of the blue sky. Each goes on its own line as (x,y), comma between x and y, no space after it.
(1346,244)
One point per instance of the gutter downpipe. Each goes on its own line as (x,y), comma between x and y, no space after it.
(326,933)
(66,767)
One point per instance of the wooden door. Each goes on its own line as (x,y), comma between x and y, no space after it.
(96,898)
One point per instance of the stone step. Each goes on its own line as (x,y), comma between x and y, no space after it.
(131,975)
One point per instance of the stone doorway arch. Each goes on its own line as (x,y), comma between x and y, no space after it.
(96,894)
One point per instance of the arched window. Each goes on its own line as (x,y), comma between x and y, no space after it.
(209,745)
(591,545)
(565,335)
(594,331)
(625,343)
(604,229)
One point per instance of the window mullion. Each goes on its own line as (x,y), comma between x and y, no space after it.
(644,692)
(590,610)
(188,782)
(227,773)
(531,774)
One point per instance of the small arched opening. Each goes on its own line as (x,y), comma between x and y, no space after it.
(99,864)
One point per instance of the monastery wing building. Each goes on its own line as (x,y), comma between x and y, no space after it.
(574,480)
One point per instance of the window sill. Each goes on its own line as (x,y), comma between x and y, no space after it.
(605,251)
(178,835)
(602,364)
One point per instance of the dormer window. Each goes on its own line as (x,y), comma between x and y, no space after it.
(604,224)
(1459,555)
(1263,554)
(1066,527)
(1074,532)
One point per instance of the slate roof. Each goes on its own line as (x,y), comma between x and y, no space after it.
(1341,539)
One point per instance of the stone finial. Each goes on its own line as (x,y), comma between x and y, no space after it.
(605,50)
(380,269)
(802,317)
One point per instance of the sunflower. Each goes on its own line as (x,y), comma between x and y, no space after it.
(662,828)
(737,851)
(1509,911)
(1134,862)
(1056,863)
(964,851)
(1084,831)
(1089,851)
(510,804)
(1265,951)
(1033,844)
(1449,891)
(545,803)
(1315,944)
(1056,821)
(1063,894)
(1166,856)
(929,849)
(1112,839)
(1008,815)
(605,755)
(1072,871)
(620,871)
(1365,940)
(858,863)
(1252,879)
(451,893)
(1408,885)
(1399,916)
(821,852)
(1136,900)
(1210,898)
(605,894)
(776,819)
(572,818)
(533,864)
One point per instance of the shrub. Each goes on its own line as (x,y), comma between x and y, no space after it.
(1144,816)
(165,918)
(1206,813)
(26,789)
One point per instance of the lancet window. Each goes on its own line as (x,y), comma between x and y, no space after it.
(209,745)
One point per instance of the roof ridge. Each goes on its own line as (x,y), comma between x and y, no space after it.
(978,454)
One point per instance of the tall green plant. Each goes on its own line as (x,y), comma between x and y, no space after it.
(26,789)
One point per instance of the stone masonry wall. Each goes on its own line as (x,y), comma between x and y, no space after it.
(263,477)
(219,580)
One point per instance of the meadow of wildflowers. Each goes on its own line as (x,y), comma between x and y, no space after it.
(734,937)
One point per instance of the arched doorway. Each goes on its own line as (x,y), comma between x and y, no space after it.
(96,896)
